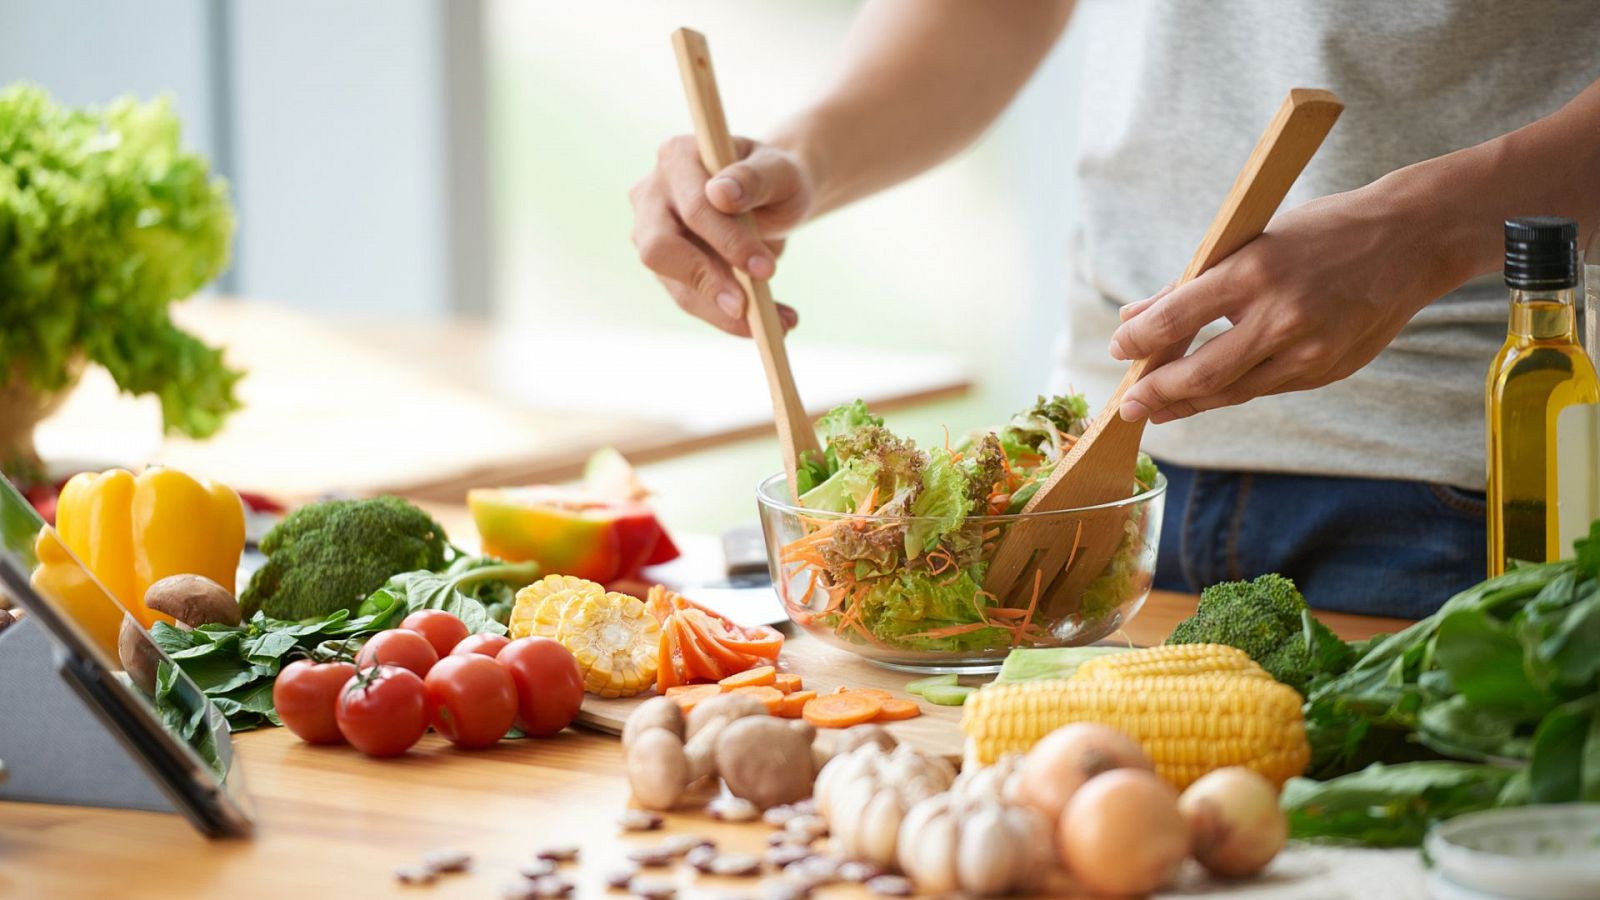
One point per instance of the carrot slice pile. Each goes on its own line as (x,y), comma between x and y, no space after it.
(757,677)
(794,704)
(771,697)
(896,710)
(699,645)
(842,710)
(689,695)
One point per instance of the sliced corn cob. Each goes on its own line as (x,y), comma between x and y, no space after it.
(615,640)
(540,606)
(1173,659)
(1188,724)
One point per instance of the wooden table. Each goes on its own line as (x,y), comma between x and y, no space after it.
(331,820)
(429,409)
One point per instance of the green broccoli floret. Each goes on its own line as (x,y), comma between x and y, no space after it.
(330,555)
(1268,619)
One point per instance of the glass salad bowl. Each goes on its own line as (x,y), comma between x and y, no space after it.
(849,580)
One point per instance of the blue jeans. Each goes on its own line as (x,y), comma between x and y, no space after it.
(1360,545)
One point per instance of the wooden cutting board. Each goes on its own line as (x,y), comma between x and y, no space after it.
(936,731)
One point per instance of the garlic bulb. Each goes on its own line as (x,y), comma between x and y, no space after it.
(985,847)
(863,795)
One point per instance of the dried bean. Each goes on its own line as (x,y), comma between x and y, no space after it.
(732,809)
(890,886)
(639,820)
(652,857)
(785,889)
(679,844)
(810,827)
(858,872)
(536,868)
(779,816)
(818,870)
(778,838)
(517,890)
(621,876)
(559,852)
(784,854)
(652,889)
(738,865)
(414,874)
(551,886)
(701,858)
(447,860)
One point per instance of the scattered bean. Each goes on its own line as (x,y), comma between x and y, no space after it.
(701,858)
(784,854)
(806,807)
(652,857)
(739,865)
(652,889)
(728,808)
(536,868)
(785,889)
(890,886)
(639,820)
(858,872)
(621,876)
(414,874)
(779,816)
(517,890)
(447,860)
(817,870)
(679,844)
(784,837)
(551,886)
(559,852)
(810,827)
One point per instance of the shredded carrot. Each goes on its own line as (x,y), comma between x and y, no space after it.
(760,675)
(894,710)
(841,710)
(952,630)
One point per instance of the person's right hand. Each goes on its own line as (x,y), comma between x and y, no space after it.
(686,225)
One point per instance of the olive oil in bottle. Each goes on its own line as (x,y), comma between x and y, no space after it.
(1541,370)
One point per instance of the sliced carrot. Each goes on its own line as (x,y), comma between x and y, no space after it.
(771,696)
(666,665)
(794,704)
(895,710)
(882,695)
(788,682)
(759,676)
(682,689)
(689,695)
(696,663)
(841,710)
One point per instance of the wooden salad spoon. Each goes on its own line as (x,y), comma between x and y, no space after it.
(796,436)
(1098,469)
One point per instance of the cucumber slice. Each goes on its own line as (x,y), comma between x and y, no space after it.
(948,694)
(922,684)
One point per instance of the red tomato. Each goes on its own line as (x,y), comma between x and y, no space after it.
(442,630)
(383,710)
(305,693)
(474,699)
(489,645)
(549,684)
(398,647)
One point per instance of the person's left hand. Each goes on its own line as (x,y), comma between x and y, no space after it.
(1320,293)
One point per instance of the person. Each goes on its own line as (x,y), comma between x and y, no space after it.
(1341,355)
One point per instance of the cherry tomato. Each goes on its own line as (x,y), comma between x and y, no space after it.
(474,699)
(383,710)
(489,645)
(305,693)
(442,630)
(398,647)
(549,684)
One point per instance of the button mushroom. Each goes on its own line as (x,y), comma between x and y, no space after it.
(661,765)
(765,760)
(193,600)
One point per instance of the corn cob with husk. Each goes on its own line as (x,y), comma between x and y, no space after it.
(1188,724)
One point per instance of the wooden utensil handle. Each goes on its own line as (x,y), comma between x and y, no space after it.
(795,433)
(1302,122)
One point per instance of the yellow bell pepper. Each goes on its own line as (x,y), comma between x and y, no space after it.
(134,531)
(62,581)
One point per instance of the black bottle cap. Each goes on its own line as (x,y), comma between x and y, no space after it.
(1541,253)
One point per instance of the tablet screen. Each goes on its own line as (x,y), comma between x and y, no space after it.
(126,673)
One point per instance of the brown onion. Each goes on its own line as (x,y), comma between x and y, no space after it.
(1121,833)
(1234,821)
(1064,759)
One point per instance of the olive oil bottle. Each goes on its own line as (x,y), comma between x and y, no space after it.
(1541,370)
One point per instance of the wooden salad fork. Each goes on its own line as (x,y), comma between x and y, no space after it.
(796,436)
(1051,562)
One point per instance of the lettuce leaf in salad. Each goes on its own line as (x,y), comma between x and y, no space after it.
(835,424)
(940,507)
(902,609)
(1038,430)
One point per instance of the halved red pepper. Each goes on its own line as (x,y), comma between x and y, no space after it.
(570,531)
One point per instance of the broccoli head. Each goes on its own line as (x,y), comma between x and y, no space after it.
(330,555)
(1268,619)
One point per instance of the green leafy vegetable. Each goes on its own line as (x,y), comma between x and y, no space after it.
(105,221)
(1389,806)
(453,591)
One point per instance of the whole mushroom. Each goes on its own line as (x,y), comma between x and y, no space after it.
(765,760)
(193,600)
(661,764)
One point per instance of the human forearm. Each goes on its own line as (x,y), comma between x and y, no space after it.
(921,80)
(1549,167)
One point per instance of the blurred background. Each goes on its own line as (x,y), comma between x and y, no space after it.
(433,231)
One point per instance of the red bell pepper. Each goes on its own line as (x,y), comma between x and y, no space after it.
(570,531)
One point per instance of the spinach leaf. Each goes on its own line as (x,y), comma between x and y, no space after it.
(1389,806)
(1484,661)
(1565,764)
(452,591)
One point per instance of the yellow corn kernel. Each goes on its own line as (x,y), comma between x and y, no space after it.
(615,641)
(1173,659)
(540,606)
(1188,724)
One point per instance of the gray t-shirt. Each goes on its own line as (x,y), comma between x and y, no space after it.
(1176,93)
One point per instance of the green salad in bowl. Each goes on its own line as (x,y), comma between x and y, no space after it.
(886,548)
